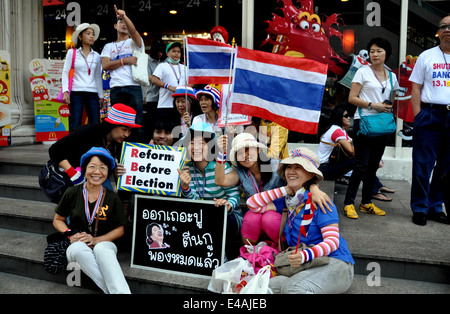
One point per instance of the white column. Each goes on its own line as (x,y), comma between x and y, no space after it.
(248,22)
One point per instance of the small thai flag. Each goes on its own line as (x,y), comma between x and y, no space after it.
(285,90)
(208,62)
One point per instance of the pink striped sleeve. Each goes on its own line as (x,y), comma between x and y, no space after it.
(329,244)
(258,202)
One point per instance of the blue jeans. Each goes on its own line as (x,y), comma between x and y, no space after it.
(431,154)
(80,101)
(131,96)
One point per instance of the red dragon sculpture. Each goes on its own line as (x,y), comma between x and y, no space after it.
(301,33)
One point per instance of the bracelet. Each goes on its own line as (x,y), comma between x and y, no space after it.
(186,190)
(121,62)
(369,106)
(166,86)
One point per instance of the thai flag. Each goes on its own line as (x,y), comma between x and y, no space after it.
(208,62)
(284,90)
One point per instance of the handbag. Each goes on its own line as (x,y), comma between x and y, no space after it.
(55,258)
(140,70)
(283,266)
(377,124)
(53,182)
(60,97)
(338,154)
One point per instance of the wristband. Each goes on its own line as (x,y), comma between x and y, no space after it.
(71,172)
(185,190)
(166,86)
(369,106)
(221,158)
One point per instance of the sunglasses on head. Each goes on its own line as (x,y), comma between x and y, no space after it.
(444,26)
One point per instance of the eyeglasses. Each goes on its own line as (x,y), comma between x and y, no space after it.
(346,115)
(95,168)
(444,27)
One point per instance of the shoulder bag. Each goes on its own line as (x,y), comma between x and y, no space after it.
(53,181)
(140,70)
(60,97)
(338,154)
(378,124)
(55,259)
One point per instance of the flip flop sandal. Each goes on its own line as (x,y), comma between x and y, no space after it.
(381,197)
(385,189)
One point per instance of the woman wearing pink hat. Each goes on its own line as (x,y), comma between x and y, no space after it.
(110,135)
(87,86)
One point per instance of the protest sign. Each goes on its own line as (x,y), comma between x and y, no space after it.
(151,169)
(178,235)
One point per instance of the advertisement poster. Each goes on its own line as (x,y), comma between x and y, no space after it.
(151,169)
(231,118)
(5,99)
(51,116)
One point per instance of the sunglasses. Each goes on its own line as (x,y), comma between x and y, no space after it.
(444,27)
(346,115)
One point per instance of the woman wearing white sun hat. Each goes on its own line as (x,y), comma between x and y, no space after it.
(87,86)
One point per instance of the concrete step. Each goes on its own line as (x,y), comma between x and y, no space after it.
(25,215)
(21,187)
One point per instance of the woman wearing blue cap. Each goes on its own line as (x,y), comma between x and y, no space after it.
(97,218)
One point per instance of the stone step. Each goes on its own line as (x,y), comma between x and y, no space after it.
(18,186)
(25,215)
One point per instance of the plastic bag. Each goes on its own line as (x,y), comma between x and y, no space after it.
(226,277)
(259,284)
(260,255)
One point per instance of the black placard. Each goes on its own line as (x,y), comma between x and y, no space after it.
(193,235)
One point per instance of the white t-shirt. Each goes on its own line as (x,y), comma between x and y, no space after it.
(432,70)
(82,81)
(371,89)
(116,51)
(174,75)
(202,118)
(332,136)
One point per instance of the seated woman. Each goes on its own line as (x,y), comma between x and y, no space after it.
(187,110)
(97,218)
(256,173)
(197,182)
(321,231)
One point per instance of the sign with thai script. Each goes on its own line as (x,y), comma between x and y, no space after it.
(178,235)
(151,169)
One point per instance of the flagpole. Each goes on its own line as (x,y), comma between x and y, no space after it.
(229,84)
(185,71)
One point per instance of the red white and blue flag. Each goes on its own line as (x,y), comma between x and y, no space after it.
(208,62)
(285,90)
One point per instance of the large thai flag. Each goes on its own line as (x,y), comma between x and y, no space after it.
(284,90)
(208,62)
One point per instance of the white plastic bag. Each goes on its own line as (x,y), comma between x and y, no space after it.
(225,278)
(140,71)
(259,284)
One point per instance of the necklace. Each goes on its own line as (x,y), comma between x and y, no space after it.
(87,64)
(256,188)
(201,192)
(174,72)
(383,88)
(89,216)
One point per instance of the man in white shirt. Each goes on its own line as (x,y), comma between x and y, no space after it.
(431,135)
(117,57)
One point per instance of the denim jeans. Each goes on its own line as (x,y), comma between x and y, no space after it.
(368,154)
(431,159)
(131,96)
(101,265)
(334,278)
(80,101)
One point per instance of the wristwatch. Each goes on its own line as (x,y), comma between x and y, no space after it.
(369,106)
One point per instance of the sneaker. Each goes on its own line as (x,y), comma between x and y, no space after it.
(371,209)
(406,134)
(350,212)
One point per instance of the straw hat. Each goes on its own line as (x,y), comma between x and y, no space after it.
(244,140)
(80,28)
(305,158)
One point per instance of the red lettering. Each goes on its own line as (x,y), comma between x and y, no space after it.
(128,180)
(134,166)
(134,153)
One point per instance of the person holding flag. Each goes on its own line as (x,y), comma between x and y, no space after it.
(304,224)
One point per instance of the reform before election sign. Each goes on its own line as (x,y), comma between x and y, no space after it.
(174,234)
(151,169)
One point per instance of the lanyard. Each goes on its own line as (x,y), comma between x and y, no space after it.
(87,64)
(383,88)
(201,192)
(256,188)
(174,72)
(89,216)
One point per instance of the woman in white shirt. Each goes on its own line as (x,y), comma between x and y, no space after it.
(87,86)
(371,90)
